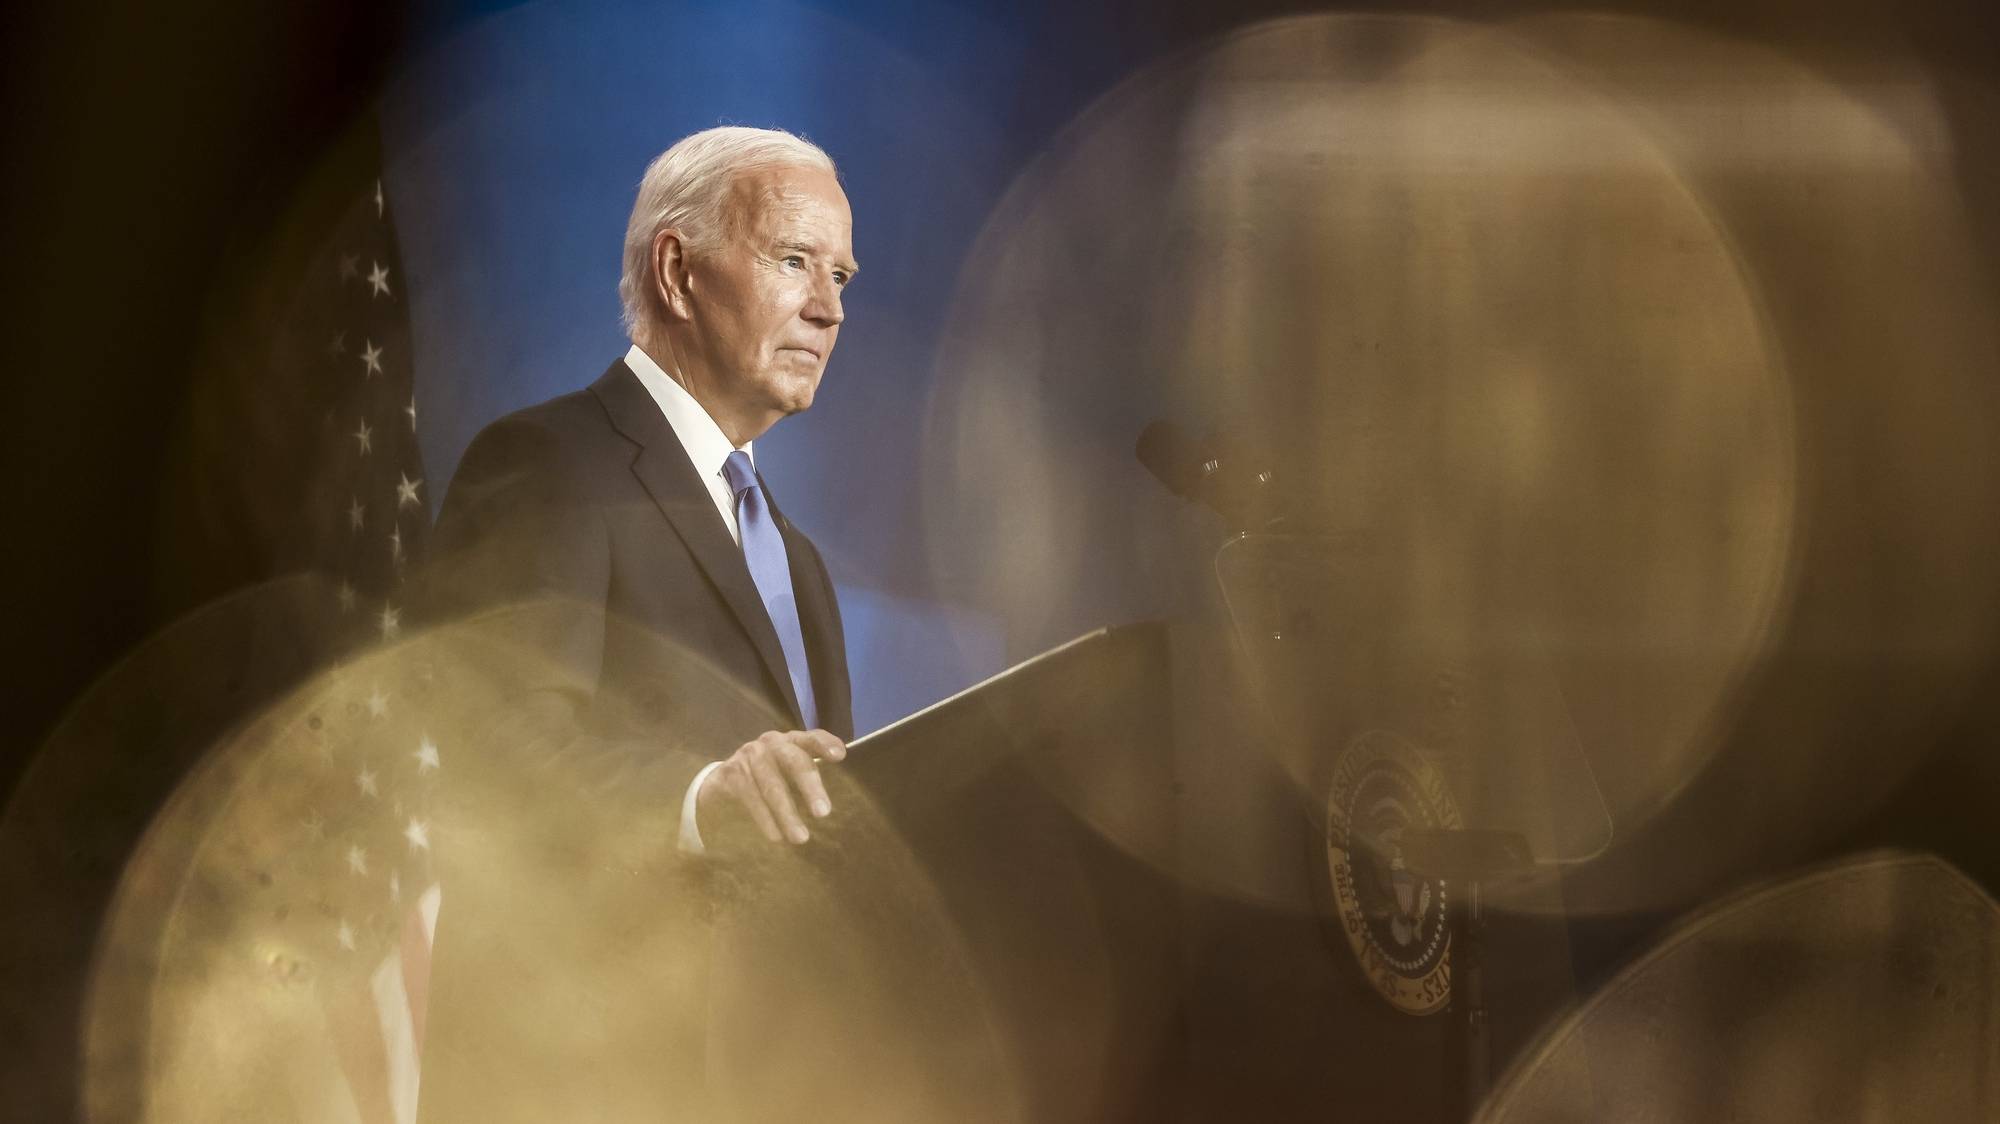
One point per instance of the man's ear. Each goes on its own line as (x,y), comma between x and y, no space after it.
(672,283)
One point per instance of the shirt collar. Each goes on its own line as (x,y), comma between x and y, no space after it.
(707,446)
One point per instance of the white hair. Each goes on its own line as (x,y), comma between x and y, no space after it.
(685,189)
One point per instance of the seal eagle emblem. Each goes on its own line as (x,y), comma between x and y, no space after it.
(1394,921)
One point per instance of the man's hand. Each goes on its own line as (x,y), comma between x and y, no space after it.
(771,778)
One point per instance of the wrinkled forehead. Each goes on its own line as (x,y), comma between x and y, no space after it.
(789,200)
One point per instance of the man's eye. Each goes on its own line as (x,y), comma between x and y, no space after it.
(795,260)
(840,278)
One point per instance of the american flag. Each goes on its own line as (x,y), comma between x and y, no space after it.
(340,850)
(363,854)
(369,511)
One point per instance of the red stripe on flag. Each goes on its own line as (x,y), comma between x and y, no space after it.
(357,1040)
(418,925)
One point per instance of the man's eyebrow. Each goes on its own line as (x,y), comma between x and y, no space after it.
(794,244)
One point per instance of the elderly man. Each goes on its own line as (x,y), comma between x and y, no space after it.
(676,651)
(639,496)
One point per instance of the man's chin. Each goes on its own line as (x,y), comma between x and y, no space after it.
(795,395)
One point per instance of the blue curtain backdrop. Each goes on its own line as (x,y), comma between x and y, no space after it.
(515,138)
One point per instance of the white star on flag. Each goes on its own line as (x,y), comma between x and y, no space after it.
(426,755)
(360,865)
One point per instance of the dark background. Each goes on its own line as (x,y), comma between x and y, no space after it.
(149,145)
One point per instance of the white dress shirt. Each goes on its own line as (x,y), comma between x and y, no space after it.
(704,440)
(708,447)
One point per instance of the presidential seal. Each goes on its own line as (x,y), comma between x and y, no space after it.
(1393,920)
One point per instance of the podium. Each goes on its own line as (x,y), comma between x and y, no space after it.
(1442,766)
(991,925)
(975,933)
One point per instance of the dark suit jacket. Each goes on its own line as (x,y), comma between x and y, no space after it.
(589,595)
(590,497)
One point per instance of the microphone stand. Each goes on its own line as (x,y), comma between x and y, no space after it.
(1468,860)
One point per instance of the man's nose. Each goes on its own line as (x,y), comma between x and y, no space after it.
(823,304)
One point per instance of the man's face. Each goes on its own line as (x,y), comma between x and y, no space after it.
(765,305)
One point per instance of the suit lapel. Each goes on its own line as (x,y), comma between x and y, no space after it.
(667,474)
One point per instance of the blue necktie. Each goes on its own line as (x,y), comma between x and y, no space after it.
(764,550)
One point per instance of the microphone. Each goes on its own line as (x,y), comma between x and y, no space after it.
(1208,474)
